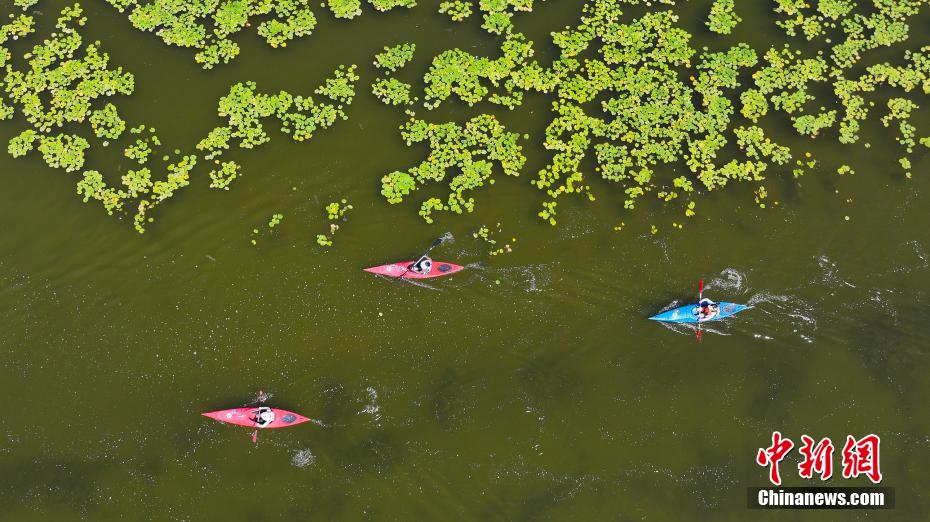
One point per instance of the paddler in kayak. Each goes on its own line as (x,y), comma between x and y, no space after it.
(263,417)
(423,266)
(706,310)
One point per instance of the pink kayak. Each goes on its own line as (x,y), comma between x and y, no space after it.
(440,269)
(246,417)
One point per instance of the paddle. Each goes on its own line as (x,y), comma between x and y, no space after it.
(261,395)
(434,245)
(700,297)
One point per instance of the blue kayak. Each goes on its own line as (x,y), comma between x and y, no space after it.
(688,313)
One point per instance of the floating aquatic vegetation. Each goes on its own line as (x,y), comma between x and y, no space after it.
(900,109)
(632,98)
(801,164)
(497,14)
(207,25)
(216,142)
(392,91)
(63,151)
(138,182)
(93,186)
(300,116)
(883,25)
(471,149)
(465,75)
(340,87)
(753,142)
(18,27)
(107,123)
(812,25)
(760,195)
(224,175)
(335,211)
(54,87)
(345,8)
(178,177)
(142,148)
(784,81)
(273,222)
(60,82)
(393,58)
(349,9)
(6,111)
(457,10)
(646,115)
(487,235)
(23,143)
(811,125)
(722,19)
(650,117)
(914,74)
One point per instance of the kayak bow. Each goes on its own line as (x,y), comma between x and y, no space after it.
(246,417)
(687,313)
(401,270)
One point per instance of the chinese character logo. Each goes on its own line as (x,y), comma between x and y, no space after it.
(860,457)
(774,454)
(817,459)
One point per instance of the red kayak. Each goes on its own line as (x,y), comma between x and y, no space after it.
(246,417)
(401,269)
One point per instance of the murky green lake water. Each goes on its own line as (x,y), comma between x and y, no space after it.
(528,387)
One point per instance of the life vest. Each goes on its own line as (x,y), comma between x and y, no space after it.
(425,266)
(264,416)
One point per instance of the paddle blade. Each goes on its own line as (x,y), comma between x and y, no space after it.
(699,334)
(255,437)
(701,288)
(436,243)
